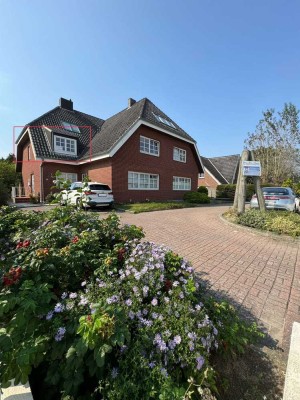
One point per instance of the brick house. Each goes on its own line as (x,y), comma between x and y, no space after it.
(139,152)
(218,171)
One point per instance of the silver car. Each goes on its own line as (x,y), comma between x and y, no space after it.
(278,198)
(90,194)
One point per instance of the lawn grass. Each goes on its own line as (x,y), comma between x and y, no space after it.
(137,208)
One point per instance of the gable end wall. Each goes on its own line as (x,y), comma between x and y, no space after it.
(129,158)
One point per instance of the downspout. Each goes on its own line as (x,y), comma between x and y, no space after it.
(42,182)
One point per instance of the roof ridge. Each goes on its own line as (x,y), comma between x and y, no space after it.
(218,170)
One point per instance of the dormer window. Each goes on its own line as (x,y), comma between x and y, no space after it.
(64,145)
(70,127)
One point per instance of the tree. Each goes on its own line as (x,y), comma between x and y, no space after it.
(8,177)
(275,143)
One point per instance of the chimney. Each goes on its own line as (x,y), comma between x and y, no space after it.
(66,104)
(131,102)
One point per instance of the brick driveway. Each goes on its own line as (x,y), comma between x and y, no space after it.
(260,273)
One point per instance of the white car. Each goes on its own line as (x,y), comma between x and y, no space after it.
(90,194)
(278,198)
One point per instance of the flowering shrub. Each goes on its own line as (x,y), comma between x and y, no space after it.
(96,313)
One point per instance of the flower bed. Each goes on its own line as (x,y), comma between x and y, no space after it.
(89,311)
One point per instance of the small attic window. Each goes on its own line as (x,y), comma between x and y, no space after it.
(164,121)
(71,127)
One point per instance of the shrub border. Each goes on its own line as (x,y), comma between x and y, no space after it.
(272,235)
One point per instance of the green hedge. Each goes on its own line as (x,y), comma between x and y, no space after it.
(228,191)
(196,197)
(202,189)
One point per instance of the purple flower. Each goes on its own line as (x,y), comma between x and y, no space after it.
(154,315)
(152,364)
(145,311)
(83,301)
(177,339)
(164,372)
(64,295)
(60,334)
(114,373)
(145,290)
(128,302)
(192,336)
(83,283)
(146,322)
(59,308)
(49,315)
(200,361)
(191,346)
(123,348)
(102,284)
(72,295)
(131,315)
(171,344)
(154,302)
(112,299)
(181,295)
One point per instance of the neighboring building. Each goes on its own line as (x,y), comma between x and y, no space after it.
(218,171)
(139,152)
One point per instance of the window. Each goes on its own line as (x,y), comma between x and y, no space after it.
(64,145)
(179,154)
(181,183)
(164,121)
(70,127)
(201,175)
(67,176)
(141,181)
(149,146)
(28,153)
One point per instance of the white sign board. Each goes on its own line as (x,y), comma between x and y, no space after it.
(251,168)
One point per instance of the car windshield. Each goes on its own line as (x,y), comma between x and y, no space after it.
(99,187)
(278,191)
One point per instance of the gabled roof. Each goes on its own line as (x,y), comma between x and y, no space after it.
(105,133)
(53,120)
(224,169)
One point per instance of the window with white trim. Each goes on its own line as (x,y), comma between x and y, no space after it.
(68,176)
(65,145)
(179,154)
(149,146)
(180,183)
(141,181)
(201,175)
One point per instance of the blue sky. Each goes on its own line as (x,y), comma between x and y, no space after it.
(212,66)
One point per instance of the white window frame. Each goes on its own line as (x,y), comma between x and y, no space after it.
(179,154)
(201,175)
(187,183)
(68,176)
(149,140)
(59,148)
(140,177)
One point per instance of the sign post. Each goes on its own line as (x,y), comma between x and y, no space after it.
(248,167)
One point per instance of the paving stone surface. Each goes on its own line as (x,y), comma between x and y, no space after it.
(259,273)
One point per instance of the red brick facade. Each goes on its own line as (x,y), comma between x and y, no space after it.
(210,182)
(31,172)
(114,171)
(129,158)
